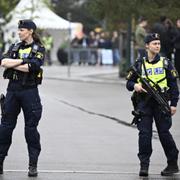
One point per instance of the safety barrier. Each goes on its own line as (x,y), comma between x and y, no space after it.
(91,56)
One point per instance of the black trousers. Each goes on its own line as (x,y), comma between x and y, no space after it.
(163,123)
(29,101)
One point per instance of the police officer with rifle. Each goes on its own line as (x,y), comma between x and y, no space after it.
(154,82)
(22,65)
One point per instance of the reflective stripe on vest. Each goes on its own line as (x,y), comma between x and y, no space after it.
(156,72)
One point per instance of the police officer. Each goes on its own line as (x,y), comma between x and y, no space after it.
(22,65)
(48,43)
(157,70)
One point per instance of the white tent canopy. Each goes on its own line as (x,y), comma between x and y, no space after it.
(44,18)
(40,13)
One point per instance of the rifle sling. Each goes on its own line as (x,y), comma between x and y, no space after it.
(155,84)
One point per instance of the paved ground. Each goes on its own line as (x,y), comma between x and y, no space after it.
(99,74)
(82,176)
(81,169)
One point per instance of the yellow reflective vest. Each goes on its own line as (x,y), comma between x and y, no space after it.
(24,53)
(156,73)
(48,42)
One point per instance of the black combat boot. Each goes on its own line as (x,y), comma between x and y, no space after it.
(143,171)
(32,170)
(170,169)
(1,166)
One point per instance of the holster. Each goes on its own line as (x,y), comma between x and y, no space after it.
(136,98)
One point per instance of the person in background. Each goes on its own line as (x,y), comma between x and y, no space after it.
(176,41)
(160,28)
(170,33)
(1,44)
(48,44)
(22,65)
(115,48)
(92,44)
(79,44)
(140,34)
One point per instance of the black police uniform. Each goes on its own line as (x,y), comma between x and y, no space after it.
(151,111)
(22,93)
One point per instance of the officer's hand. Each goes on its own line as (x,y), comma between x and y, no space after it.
(173,110)
(138,88)
(24,61)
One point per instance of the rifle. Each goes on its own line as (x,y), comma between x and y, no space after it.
(154,93)
(2,99)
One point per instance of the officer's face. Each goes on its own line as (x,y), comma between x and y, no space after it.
(154,46)
(25,34)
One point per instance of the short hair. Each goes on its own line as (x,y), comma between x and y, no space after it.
(141,19)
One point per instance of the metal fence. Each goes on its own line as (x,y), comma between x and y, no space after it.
(90,56)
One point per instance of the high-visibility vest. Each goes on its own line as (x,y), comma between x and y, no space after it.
(48,42)
(156,73)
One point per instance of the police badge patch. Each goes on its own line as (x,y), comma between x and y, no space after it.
(39,55)
(174,73)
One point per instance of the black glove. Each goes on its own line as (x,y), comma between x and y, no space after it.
(25,61)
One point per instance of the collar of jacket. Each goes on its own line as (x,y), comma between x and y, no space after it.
(155,60)
(24,46)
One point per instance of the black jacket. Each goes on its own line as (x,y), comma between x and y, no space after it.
(171,79)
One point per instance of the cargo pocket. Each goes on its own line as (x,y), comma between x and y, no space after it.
(37,111)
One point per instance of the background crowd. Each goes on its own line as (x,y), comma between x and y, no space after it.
(169,35)
(90,47)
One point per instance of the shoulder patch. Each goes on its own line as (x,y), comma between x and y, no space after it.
(39,55)
(174,73)
(165,62)
(129,75)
